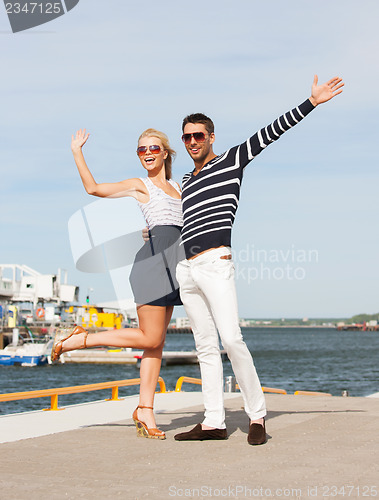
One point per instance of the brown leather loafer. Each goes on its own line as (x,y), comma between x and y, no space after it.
(198,434)
(257,434)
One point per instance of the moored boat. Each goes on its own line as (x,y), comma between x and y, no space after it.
(28,354)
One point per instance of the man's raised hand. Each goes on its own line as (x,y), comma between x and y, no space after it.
(145,234)
(326,91)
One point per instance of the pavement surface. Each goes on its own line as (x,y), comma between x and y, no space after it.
(318,447)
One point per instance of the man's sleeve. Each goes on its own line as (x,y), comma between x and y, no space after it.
(267,135)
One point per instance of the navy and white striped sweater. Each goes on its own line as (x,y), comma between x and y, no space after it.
(210,198)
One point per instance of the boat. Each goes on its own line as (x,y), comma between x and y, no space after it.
(33,353)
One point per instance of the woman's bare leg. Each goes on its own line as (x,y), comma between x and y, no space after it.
(150,366)
(147,336)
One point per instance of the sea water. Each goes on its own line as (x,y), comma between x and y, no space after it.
(310,359)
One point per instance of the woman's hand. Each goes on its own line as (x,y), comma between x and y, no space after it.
(79,140)
(326,91)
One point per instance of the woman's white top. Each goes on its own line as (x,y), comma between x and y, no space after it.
(161,209)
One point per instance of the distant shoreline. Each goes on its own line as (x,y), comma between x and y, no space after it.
(289,326)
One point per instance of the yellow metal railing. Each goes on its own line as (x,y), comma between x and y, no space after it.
(54,393)
(190,380)
(114,385)
(274,391)
(311,393)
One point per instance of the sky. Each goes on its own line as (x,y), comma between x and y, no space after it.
(305,240)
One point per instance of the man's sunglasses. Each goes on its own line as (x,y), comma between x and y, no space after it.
(153,149)
(198,136)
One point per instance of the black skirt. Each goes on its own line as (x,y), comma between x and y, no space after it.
(153,275)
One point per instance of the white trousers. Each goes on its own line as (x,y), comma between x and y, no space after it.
(208,293)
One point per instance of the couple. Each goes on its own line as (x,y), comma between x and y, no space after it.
(203,213)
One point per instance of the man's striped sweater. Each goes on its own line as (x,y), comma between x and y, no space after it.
(210,198)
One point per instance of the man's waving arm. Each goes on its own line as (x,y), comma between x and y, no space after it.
(267,135)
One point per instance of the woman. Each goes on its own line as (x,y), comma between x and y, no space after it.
(160,201)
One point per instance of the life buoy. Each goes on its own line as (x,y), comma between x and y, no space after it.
(40,312)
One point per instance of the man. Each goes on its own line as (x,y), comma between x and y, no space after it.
(206,278)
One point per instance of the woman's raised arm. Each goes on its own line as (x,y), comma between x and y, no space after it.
(128,187)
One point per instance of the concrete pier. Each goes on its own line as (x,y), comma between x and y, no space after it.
(318,447)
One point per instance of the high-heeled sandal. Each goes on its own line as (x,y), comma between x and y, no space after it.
(57,349)
(143,430)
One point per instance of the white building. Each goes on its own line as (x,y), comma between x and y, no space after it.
(182,322)
(20,283)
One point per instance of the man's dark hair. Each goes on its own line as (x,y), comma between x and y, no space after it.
(199,118)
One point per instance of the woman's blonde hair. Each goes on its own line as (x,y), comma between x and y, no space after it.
(152,132)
